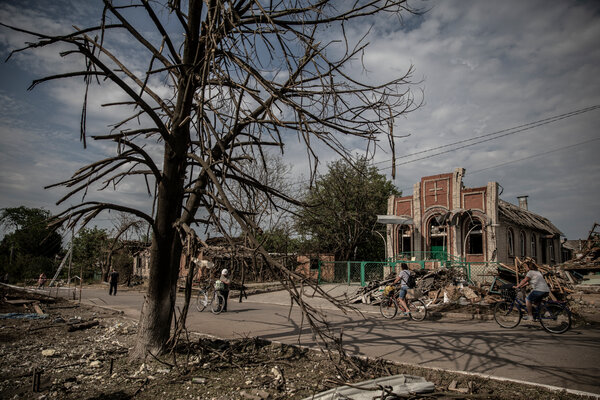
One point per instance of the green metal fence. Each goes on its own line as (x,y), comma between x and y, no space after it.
(361,272)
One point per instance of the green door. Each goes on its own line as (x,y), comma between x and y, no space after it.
(439,253)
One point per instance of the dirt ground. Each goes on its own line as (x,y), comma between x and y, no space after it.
(81,352)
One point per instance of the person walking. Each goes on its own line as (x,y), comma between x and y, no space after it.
(113,279)
(225,291)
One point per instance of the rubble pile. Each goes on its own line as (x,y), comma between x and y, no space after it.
(437,287)
(559,281)
(588,255)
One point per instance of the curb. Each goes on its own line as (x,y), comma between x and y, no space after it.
(465,373)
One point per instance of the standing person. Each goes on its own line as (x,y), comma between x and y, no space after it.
(403,279)
(539,288)
(41,280)
(225,291)
(113,279)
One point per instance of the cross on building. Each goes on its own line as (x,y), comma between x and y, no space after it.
(435,190)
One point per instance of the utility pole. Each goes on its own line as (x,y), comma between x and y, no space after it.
(70,259)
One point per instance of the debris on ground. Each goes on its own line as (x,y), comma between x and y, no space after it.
(559,283)
(439,287)
(41,359)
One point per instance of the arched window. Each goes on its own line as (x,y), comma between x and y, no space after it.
(533,246)
(404,239)
(522,244)
(511,242)
(438,240)
(474,239)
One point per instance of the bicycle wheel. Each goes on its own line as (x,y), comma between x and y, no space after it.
(201,300)
(388,307)
(555,318)
(417,310)
(507,314)
(217,304)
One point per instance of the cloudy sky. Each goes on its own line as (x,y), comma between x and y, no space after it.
(521,77)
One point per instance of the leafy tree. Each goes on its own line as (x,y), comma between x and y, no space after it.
(30,247)
(90,248)
(279,240)
(344,204)
(225,81)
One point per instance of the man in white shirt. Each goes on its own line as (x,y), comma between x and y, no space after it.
(539,287)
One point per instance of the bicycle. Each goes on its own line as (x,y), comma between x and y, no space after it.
(554,316)
(209,296)
(417,311)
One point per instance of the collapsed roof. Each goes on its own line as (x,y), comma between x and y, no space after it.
(526,218)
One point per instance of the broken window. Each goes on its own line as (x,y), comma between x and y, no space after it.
(474,237)
(437,233)
(522,244)
(511,242)
(437,239)
(404,239)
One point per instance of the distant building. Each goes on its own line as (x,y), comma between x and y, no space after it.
(443,218)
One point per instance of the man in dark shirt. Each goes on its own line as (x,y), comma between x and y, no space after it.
(113,279)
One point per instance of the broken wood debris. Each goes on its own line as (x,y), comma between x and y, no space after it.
(559,282)
(82,326)
(442,285)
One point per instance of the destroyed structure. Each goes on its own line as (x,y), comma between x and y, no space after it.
(444,219)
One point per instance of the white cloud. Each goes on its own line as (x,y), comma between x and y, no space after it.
(485,66)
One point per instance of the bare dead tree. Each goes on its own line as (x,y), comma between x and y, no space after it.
(241,77)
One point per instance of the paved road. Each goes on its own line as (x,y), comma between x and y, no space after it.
(570,360)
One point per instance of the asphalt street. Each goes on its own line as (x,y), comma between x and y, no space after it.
(526,353)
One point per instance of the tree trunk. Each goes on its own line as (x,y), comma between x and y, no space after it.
(165,255)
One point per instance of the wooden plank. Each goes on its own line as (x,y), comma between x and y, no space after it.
(38,309)
(20,302)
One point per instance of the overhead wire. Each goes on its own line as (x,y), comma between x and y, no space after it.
(489,136)
(486,138)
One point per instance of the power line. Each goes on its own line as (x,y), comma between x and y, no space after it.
(488,137)
(534,155)
(524,158)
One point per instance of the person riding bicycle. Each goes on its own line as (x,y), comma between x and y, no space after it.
(539,287)
(402,278)
(226,280)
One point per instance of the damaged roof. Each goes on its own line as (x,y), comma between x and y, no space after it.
(525,218)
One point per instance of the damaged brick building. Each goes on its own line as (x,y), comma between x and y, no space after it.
(443,218)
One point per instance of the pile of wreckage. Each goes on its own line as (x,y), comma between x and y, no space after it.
(559,281)
(586,255)
(440,286)
(449,285)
